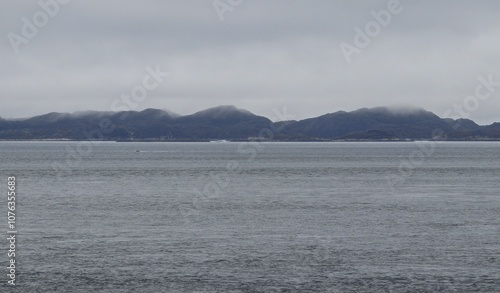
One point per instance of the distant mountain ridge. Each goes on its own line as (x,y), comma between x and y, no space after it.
(231,123)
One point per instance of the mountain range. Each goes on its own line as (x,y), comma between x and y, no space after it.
(231,123)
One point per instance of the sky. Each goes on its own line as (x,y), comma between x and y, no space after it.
(283,59)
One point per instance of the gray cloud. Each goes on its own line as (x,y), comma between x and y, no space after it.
(264,56)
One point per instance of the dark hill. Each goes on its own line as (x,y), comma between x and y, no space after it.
(221,123)
(225,122)
(377,123)
(229,122)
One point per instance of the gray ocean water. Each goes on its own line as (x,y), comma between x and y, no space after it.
(262,217)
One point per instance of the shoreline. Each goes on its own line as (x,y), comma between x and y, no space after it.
(242,140)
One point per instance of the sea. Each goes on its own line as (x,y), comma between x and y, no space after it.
(253,216)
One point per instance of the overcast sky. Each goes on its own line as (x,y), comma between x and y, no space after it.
(262,56)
